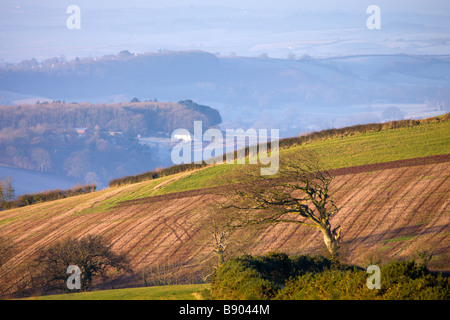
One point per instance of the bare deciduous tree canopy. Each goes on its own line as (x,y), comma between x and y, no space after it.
(299,195)
(91,254)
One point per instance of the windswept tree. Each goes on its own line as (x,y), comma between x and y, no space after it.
(301,195)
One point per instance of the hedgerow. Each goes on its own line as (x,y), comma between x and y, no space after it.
(50,195)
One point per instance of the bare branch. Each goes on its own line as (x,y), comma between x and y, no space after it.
(302,189)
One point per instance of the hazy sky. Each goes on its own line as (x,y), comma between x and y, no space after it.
(320,28)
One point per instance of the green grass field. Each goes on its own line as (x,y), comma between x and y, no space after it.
(136,191)
(428,139)
(172,292)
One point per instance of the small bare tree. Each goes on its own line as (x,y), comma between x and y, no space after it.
(2,196)
(6,193)
(219,229)
(9,190)
(300,195)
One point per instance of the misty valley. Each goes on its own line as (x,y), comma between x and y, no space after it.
(91,120)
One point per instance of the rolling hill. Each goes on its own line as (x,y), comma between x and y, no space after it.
(294,95)
(392,187)
(89,143)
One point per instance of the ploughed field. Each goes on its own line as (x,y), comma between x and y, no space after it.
(387,211)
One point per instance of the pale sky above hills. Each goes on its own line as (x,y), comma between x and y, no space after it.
(31,29)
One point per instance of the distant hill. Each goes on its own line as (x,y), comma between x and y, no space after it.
(91,143)
(294,95)
(132,118)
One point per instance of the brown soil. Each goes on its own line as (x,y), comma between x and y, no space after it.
(387,211)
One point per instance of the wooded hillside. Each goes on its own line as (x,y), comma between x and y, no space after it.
(92,142)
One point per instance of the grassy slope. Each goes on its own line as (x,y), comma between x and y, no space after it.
(172,292)
(358,149)
(395,144)
(388,145)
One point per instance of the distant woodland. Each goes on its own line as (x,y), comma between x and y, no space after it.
(261,92)
(92,143)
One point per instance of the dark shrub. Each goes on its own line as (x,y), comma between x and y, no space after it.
(407,280)
(328,285)
(276,267)
(239,280)
(399,281)
(314,263)
(316,277)
(261,277)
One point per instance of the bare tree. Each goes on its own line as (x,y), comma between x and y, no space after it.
(41,158)
(2,195)
(9,190)
(91,254)
(220,228)
(218,231)
(300,195)
(6,193)
(76,165)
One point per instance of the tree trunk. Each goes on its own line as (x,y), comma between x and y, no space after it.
(220,259)
(331,239)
